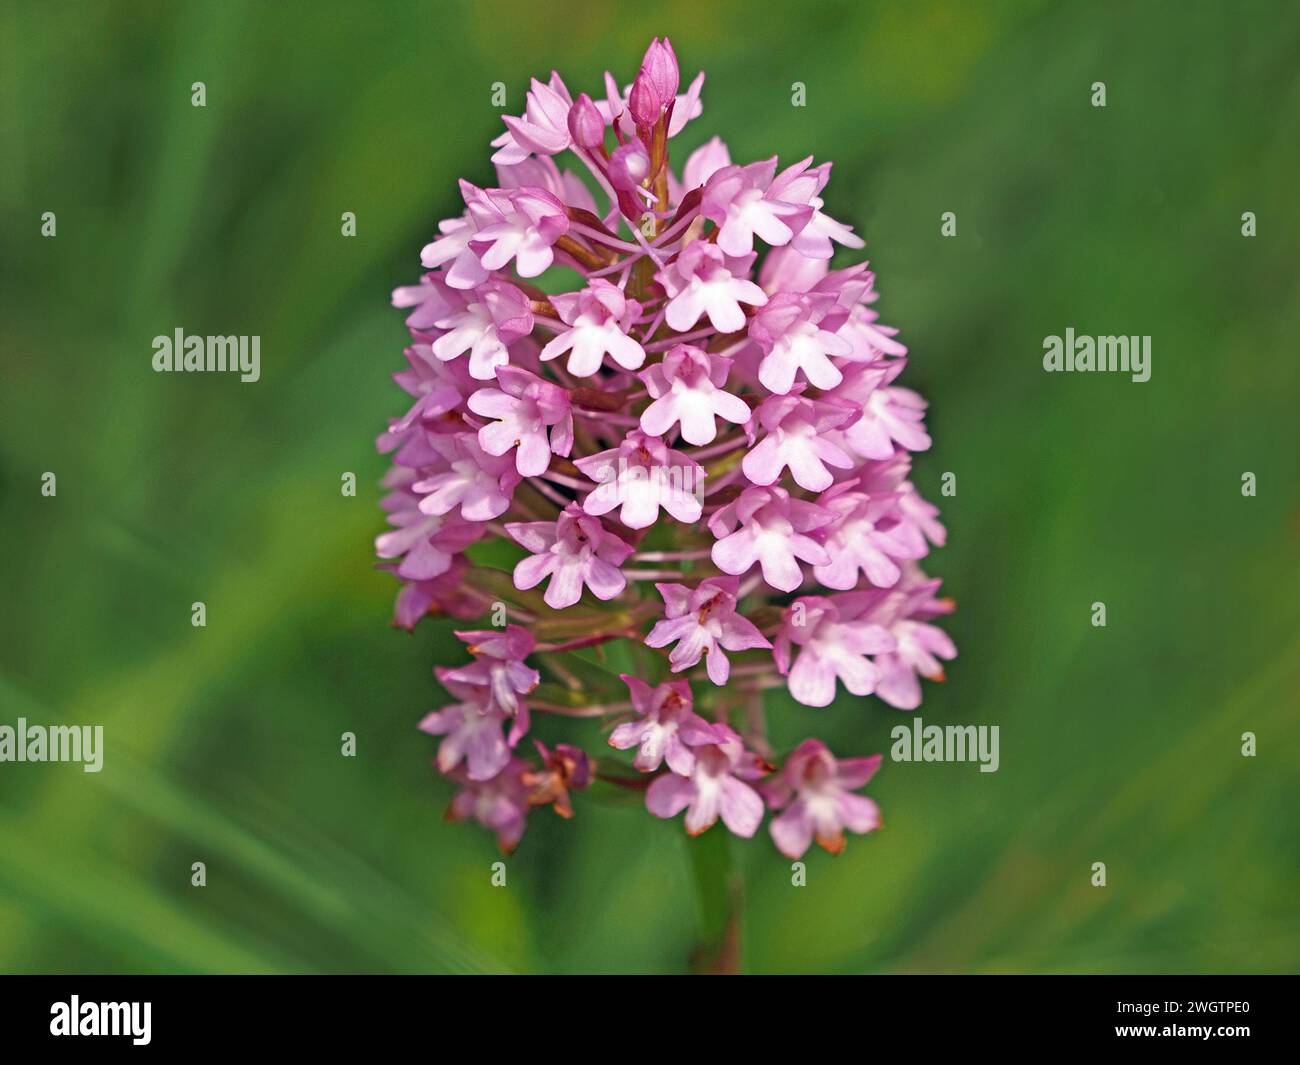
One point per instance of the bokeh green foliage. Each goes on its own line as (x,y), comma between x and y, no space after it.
(1118,744)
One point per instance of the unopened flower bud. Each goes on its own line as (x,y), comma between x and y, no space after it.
(586,126)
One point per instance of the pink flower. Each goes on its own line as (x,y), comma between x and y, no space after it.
(479,483)
(498,668)
(498,315)
(425,543)
(790,334)
(666,729)
(520,224)
(703,621)
(715,787)
(744,202)
(815,791)
(830,648)
(800,185)
(702,282)
(687,387)
(688,324)
(641,475)
(499,804)
(905,613)
(867,534)
(472,734)
(599,319)
(575,550)
(525,407)
(543,128)
(766,526)
(796,439)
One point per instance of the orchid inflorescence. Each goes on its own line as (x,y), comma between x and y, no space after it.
(702,456)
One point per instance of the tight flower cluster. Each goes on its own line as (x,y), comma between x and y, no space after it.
(688,428)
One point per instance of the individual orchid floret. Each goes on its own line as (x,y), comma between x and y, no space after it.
(716,787)
(525,408)
(496,315)
(867,535)
(790,334)
(830,648)
(701,165)
(889,415)
(480,484)
(499,804)
(744,202)
(521,224)
(472,734)
(702,621)
(498,668)
(451,251)
(431,298)
(439,389)
(688,387)
(599,318)
(640,476)
(800,185)
(665,729)
(587,124)
(700,282)
(795,438)
(542,129)
(425,543)
(575,550)
(444,594)
(766,526)
(815,792)
(905,612)
(565,768)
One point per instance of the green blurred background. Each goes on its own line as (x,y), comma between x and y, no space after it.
(1119,744)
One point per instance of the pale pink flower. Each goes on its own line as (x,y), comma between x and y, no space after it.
(640,476)
(543,128)
(495,316)
(499,804)
(766,526)
(790,334)
(574,550)
(666,728)
(525,408)
(795,438)
(519,224)
(599,318)
(472,734)
(715,787)
(425,543)
(744,202)
(498,668)
(479,483)
(701,281)
(452,250)
(703,621)
(829,648)
(800,185)
(688,388)
(815,792)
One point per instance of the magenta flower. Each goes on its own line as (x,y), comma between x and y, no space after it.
(766,526)
(715,787)
(815,794)
(575,551)
(667,729)
(694,419)
(525,408)
(703,621)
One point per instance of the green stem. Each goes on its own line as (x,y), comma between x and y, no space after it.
(717,889)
